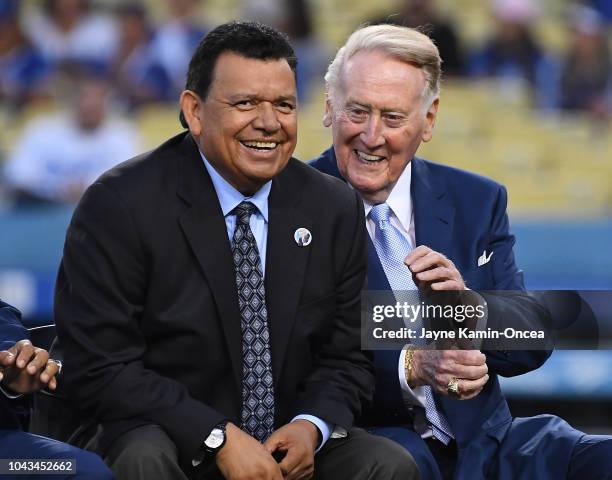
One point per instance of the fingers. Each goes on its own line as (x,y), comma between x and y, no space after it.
(424,258)
(23,350)
(439,367)
(466,357)
(438,273)
(297,465)
(434,269)
(39,361)
(448,361)
(471,373)
(451,365)
(416,254)
(467,388)
(27,368)
(290,463)
(49,373)
(273,442)
(470,388)
(7,358)
(448,285)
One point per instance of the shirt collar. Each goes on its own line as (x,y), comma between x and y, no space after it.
(400,199)
(230,198)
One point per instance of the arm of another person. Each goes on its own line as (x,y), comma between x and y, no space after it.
(11,329)
(24,368)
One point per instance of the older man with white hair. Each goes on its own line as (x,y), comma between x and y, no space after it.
(434,227)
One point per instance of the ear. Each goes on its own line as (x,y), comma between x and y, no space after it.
(432,114)
(190,106)
(327,116)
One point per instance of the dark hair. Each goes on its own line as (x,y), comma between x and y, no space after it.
(249,39)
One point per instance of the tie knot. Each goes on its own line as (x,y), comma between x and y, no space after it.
(380,213)
(244,211)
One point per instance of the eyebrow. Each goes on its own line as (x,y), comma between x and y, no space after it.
(250,96)
(351,102)
(354,103)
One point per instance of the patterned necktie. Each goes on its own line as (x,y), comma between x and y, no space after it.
(392,248)
(257,382)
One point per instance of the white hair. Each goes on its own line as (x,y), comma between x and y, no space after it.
(405,44)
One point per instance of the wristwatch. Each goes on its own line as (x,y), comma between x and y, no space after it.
(213,443)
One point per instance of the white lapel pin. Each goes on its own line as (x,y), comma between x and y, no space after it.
(302,237)
(483,259)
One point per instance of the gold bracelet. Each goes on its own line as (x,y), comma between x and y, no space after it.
(408,364)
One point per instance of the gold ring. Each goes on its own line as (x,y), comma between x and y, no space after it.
(453,387)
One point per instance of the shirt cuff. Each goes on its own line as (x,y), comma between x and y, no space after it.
(324,427)
(12,396)
(412,396)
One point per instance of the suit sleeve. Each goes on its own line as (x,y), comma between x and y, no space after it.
(342,378)
(11,329)
(523,312)
(515,307)
(100,293)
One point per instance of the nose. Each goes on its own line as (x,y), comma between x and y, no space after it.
(372,137)
(267,118)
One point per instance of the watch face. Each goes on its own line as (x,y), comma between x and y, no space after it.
(215,439)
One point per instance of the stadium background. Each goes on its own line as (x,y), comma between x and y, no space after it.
(557,166)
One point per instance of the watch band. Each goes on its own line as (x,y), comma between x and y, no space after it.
(206,452)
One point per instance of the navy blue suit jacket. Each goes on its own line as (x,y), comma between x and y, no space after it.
(460,215)
(11,331)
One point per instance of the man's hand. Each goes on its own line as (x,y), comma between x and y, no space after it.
(433,271)
(440,283)
(298,440)
(438,367)
(244,458)
(27,369)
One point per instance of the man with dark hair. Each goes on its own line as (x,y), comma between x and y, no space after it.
(202,335)
(25,369)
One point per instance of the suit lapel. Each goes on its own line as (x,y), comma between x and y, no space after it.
(285,264)
(204,227)
(433,214)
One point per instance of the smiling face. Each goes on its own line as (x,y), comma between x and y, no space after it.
(247,125)
(378,119)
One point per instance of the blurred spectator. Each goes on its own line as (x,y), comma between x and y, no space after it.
(175,41)
(23,70)
(138,78)
(311,53)
(70,33)
(604,7)
(58,156)
(513,53)
(293,17)
(423,14)
(586,79)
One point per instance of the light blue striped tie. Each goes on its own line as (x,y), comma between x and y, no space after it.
(392,248)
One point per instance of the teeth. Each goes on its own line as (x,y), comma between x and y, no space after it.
(267,145)
(369,158)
